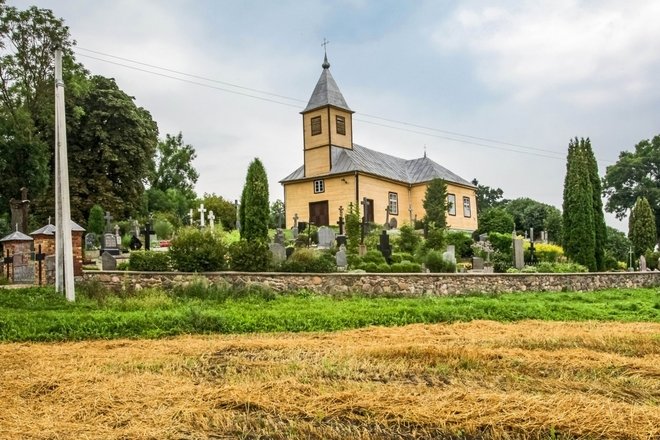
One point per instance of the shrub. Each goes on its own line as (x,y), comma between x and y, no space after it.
(501,242)
(302,240)
(462,242)
(194,250)
(373,257)
(544,252)
(249,256)
(652,260)
(309,260)
(354,260)
(96,221)
(435,240)
(353,228)
(409,239)
(163,229)
(399,257)
(547,267)
(406,267)
(496,220)
(369,267)
(435,263)
(149,261)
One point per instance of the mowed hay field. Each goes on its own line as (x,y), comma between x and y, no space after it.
(483,379)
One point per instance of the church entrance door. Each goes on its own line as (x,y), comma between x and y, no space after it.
(318,213)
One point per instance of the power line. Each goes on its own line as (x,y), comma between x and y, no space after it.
(502,145)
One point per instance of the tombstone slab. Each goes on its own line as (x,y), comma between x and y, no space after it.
(477,263)
(108,262)
(518,253)
(326,237)
(278,252)
(450,254)
(109,244)
(340,257)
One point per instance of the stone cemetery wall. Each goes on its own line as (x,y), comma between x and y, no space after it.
(387,284)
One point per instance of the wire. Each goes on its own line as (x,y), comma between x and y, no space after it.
(501,144)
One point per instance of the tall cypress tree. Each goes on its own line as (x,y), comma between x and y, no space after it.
(641,227)
(600,228)
(579,232)
(255,208)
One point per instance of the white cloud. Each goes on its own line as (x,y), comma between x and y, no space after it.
(590,53)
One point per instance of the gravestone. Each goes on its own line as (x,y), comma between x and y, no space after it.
(326,237)
(642,263)
(340,257)
(90,241)
(135,243)
(477,263)
(362,250)
(341,240)
(294,229)
(278,252)
(518,253)
(450,254)
(385,247)
(289,252)
(279,237)
(483,237)
(109,244)
(108,262)
(393,223)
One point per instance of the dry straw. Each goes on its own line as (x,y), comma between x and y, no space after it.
(469,380)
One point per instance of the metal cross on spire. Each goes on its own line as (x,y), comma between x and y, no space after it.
(324,44)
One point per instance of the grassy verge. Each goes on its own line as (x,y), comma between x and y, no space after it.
(43,315)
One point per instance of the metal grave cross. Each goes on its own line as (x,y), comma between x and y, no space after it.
(201,211)
(341,220)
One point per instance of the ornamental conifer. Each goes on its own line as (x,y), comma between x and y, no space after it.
(600,229)
(255,209)
(641,227)
(579,238)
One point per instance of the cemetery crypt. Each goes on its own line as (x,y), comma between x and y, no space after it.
(337,172)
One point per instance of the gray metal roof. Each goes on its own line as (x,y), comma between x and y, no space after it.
(16,236)
(50,229)
(326,92)
(380,164)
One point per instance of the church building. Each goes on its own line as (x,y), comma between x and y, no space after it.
(337,172)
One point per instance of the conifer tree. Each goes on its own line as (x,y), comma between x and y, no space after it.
(578,214)
(96,222)
(642,227)
(435,204)
(255,209)
(600,229)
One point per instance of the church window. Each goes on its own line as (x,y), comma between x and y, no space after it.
(319,186)
(467,211)
(451,204)
(393,203)
(316,125)
(341,125)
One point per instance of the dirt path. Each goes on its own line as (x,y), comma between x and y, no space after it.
(476,380)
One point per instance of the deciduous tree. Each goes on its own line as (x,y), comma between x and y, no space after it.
(173,167)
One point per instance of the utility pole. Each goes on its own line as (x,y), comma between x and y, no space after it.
(64,247)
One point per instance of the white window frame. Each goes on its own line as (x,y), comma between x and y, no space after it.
(393,203)
(319,186)
(451,204)
(467,207)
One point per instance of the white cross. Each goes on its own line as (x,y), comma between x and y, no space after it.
(190,214)
(211,217)
(201,211)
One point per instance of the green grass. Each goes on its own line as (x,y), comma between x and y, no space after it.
(39,314)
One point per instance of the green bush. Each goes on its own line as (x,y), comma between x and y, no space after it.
(302,240)
(354,261)
(149,261)
(398,257)
(435,263)
(409,239)
(652,260)
(406,267)
(194,250)
(547,267)
(501,242)
(373,257)
(163,229)
(435,240)
(310,261)
(249,256)
(369,267)
(462,242)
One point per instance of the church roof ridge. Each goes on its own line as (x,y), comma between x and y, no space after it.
(326,91)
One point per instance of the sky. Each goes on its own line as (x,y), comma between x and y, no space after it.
(492,90)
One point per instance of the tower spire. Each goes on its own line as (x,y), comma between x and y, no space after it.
(326,64)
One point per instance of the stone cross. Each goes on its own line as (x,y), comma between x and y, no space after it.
(410,212)
(238,216)
(117,233)
(201,211)
(108,219)
(295,220)
(211,219)
(365,209)
(190,214)
(387,217)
